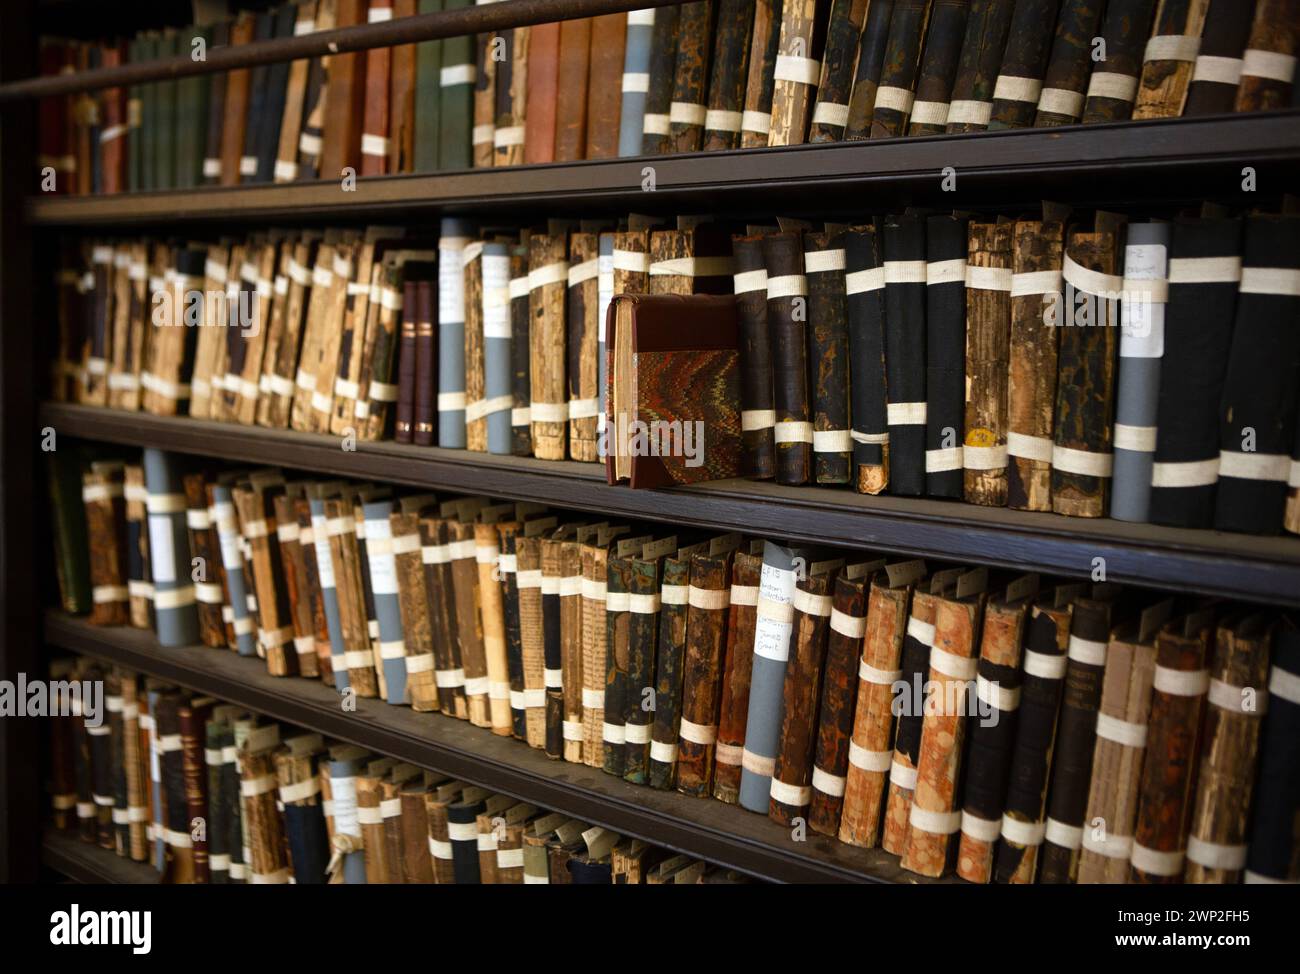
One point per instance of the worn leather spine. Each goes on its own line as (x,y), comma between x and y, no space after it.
(475,366)
(1257,416)
(311,141)
(509,538)
(756,118)
(457,75)
(978,64)
(605,85)
(581,346)
(1113,84)
(376,145)
(258,108)
(193,715)
(239,629)
(427,97)
(635,82)
(413,610)
(1217,72)
(298,787)
(1273,844)
(1065,84)
(528,580)
(510,132)
(655,124)
(1178,701)
(866,73)
(548,274)
(449,671)
(944,37)
(757,409)
(828,354)
(617,636)
(255,507)
(945,344)
(988,335)
(1268,64)
(594,585)
(552,652)
(797,69)
(727,74)
(670,653)
(469,622)
(831,113)
(139,579)
(521,437)
(1169,58)
(540,102)
(103,494)
(462,831)
(216,116)
(702,674)
(358,657)
(898,72)
(345,100)
(787,290)
(571,89)
(484,100)
(571,636)
(643,628)
(1036,256)
(409,365)
(737,668)
(865,296)
(904,254)
(687,111)
(1024,64)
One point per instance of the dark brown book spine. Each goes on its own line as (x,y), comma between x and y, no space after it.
(1268,64)
(193,716)
(866,75)
(915,667)
(978,65)
(102,492)
(756,119)
(688,109)
(345,94)
(404,421)
(594,567)
(659,93)
(617,624)
(216,112)
(582,345)
(896,92)
(905,352)
(543,81)
(943,43)
(839,691)
(509,133)
(1169,58)
(988,354)
(605,85)
(571,97)
(1062,98)
(787,290)
(413,607)
(727,76)
(945,344)
(375,141)
(828,354)
(1024,63)
(865,289)
(831,114)
(1113,85)
(737,666)
(312,590)
(643,628)
(425,396)
(482,135)
(297,588)
(449,674)
(552,652)
(670,656)
(757,412)
(521,436)
(1217,74)
(706,635)
(235,105)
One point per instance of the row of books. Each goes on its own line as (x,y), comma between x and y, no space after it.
(208,792)
(712,74)
(1009,729)
(1075,363)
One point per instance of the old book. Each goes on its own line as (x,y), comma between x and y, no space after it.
(635,81)
(734,673)
(1112,87)
(787,288)
(1121,746)
(218,737)
(571,636)
(113,133)
(707,634)
(298,587)
(1047,633)
(207,380)
(552,580)
(381,556)
(344,99)
(1037,251)
(338,666)
(436,802)
(1169,58)
(643,627)
(458,78)
(450,354)
(988,757)
(1062,98)
(427,97)
(193,715)
(291,122)
(170,356)
(865,296)
(904,254)
(693,259)
(655,125)
(1173,738)
(469,623)
(241,627)
(492,408)
(571,89)
(280,354)
(727,74)
(508,567)
(325,300)
(364,299)
(757,409)
(166,119)
(265,573)
(988,335)
(1082,461)
(583,327)
(72,547)
(1024,64)
(176,826)
(1141,345)
(510,843)
(797,69)
(543,81)
(487,551)
(1217,71)
(258,92)
(490,823)
(449,671)
(866,74)
(462,832)
(521,436)
(844,27)
(370,783)
(934,818)
(117,836)
(605,85)
(509,132)
(605,274)
(1220,814)
(675,391)
(483,107)
(756,118)
(978,65)
(1076,735)
(339,780)
(286,24)
(594,586)
(669,662)
(257,277)
(139,579)
(828,349)
(528,554)
(945,343)
(376,146)
(896,90)
(349,563)
(98,340)
(176,616)
(310,590)
(617,634)
(1272,854)
(1257,417)
(944,37)
(105,504)
(1268,63)
(234,104)
(1204,272)
(310,141)
(548,274)
(687,111)
(298,783)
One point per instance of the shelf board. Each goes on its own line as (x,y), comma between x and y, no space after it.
(66,853)
(1117,161)
(1262,569)
(708,829)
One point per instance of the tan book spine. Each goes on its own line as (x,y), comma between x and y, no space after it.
(988,354)
(357,317)
(297,588)
(274,628)
(528,557)
(469,620)
(322,285)
(475,371)
(1170,58)
(487,551)
(321,401)
(548,276)
(104,497)
(1268,64)
(571,636)
(581,346)
(797,71)
(733,711)
(352,608)
(370,815)
(594,561)
(413,604)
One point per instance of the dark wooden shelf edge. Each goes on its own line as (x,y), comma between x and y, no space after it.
(703,828)
(1263,569)
(82,862)
(1158,146)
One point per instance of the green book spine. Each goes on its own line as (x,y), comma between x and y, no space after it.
(428,96)
(134,110)
(457,112)
(165,132)
(191,120)
(71,545)
(149,119)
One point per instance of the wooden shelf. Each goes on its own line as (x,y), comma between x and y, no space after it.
(708,829)
(1166,159)
(82,862)
(1262,569)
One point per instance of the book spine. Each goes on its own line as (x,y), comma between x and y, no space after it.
(737,667)
(521,437)
(1036,256)
(604,298)
(617,624)
(258,91)
(417,859)
(988,336)
(918,641)
(113,143)
(118,835)
(370,814)
(265,576)
(905,362)
(498,399)
(831,113)
(176,833)
(401,98)
(543,81)
(1141,345)
(509,132)
(1169,58)
(533,646)
(988,757)
(346,835)
(304,816)
(898,72)
(310,592)
(484,102)
(166,130)
(582,345)
(216,737)
(139,579)
(773,632)
(344,99)
(787,290)
(1272,854)
(571,89)
(449,673)
(469,627)
(487,554)
(384,585)
(375,142)
(702,672)
(945,343)
(655,125)
(1268,64)
(938,68)
(407,367)
(824,263)
(462,832)
(63,763)
(102,493)
(1257,417)
(674,599)
(727,74)
(1046,643)
(594,585)
(451,334)
(285,164)
(866,73)
(978,65)
(1024,64)
(757,412)
(688,109)
(552,649)
(475,374)
(298,588)
(1112,87)
(509,569)
(310,141)
(797,69)
(643,626)
(358,657)
(277,81)
(1178,698)
(756,118)
(192,718)
(427,97)
(136,756)
(571,635)
(548,275)
(1217,72)
(488,844)
(1082,461)
(213,119)
(605,84)
(636,80)
(457,76)
(792,770)
(1065,83)
(427,398)
(235,105)
(865,297)
(329,593)
(440,854)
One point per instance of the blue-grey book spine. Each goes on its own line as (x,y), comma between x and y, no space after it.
(388,611)
(343,793)
(1141,348)
(329,592)
(773,634)
(169,551)
(451,334)
(232,560)
(636,82)
(155,784)
(498,378)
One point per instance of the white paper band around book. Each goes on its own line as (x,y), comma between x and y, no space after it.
(1156,862)
(758,122)
(988,278)
(664,752)
(1139,439)
(831,113)
(686,113)
(934,822)
(1044,666)
(1061,101)
(787,286)
(823,261)
(457,74)
(794,795)
(654,123)
(1214,855)
(1090,281)
(1004,699)
(1273,65)
(905,413)
(860,282)
(1062,834)
(930,113)
(757,764)
(965,112)
(1189,473)
(729,754)
(869,674)
(757,419)
(1181,683)
(905,271)
(744,595)
(702,734)
(636,82)
(901,775)
(1082,462)
(692,267)
(895,99)
(801,70)
(1091,652)
(1009,87)
(1172,47)
(984,457)
(1112,84)
(792,431)
(945,271)
(1120,731)
(1023,833)
(1217,70)
(951,458)
(827,783)
(1284,281)
(877,762)
(1204,270)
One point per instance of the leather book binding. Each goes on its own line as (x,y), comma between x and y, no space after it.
(655,125)
(310,142)
(475,365)
(687,112)
(670,657)
(469,623)
(944,37)
(737,666)
(635,82)
(528,553)
(139,579)
(831,113)
(254,504)
(978,64)
(605,85)
(896,91)
(617,634)
(828,351)
(234,105)
(169,551)
(449,672)
(358,658)
(707,635)
(376,145)
(216,114)
(291,127)
(945,344)
(787,290)
(594,584)
(298,780)
(1024,64)
(241,629)
(521,434)
(103,494)
(258,97)
(298,586)
(757,409)
(508,565)
(756,118)
(581,341)
(1065,83)
(905,357)
(1217,72)
(72,547)
(571,636)
(1272,856)
(865,291)
(866,72)
(192,716)
(574,56)
(426,96)
(484,103)
(988,352)
(643,628)
(344,99)
(1268,63)
(797,69)
(509,132)
(457,76)
(543,81)
(1169,58)
(727,74)
(273,109)
(552,644)
(1113,84)
(548,276)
